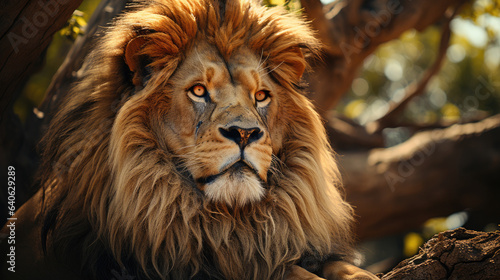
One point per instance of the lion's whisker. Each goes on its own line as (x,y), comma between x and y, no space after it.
(202,70)
(277,165)
(272,70)
(261,69)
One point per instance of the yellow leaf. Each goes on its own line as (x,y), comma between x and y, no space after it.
(435,225)
(80,21)
(277,2)
(450,112)
(354,108)
(411,243)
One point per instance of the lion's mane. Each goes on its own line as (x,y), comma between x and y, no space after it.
(122,202)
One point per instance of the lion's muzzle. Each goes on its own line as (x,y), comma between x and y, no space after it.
(244,159)
(242,136)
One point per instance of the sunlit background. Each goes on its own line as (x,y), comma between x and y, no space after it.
(472,65)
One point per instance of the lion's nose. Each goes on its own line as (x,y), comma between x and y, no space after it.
(242,136)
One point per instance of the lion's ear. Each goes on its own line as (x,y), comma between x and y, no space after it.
(137,62)
(297,61)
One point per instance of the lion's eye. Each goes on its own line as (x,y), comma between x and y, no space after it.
(198,93)
(262,98)
(198,90)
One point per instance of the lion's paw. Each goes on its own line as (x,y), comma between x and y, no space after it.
(345,271)
(296,272)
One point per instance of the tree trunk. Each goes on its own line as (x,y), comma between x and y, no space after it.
(457,254)
(71,69)
(22,21)
(26,29)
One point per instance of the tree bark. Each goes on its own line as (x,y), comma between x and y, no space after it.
(26,30)
(434,173)
(456,254)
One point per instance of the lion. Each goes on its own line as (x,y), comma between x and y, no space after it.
(189,151)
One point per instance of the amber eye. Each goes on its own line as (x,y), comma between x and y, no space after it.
(262,98)
(198,90)
(261,95)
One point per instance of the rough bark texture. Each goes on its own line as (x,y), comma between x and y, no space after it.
(457,254)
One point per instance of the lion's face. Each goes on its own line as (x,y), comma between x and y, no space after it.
(220,122)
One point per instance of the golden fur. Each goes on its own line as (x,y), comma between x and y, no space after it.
(122,157)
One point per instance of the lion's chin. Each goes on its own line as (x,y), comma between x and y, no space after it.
(236,188)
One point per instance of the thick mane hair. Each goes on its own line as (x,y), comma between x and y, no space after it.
(115,199)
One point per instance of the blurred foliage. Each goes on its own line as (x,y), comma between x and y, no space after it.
(412,243)
(33,93)
(75,26)
(467,87)
(291,5)
(474,10)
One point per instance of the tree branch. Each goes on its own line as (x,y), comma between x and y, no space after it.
(314,13)
(346,134)
(69,71)
(455,254)
(390,119)
(434,173)
(357,28)
(26,30)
